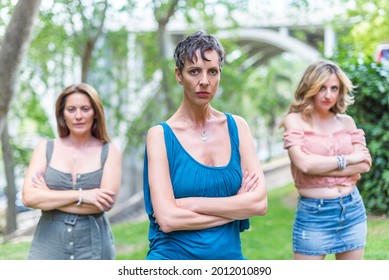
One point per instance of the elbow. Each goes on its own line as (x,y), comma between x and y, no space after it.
(365,168)
(27,201)
(165,224)
(262,208)
(259,207)
(30,201)
(305,168)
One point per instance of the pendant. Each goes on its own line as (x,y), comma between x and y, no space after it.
(204,136)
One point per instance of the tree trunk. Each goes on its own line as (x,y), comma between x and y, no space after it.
(90,45)
(163,20)
(13,49)
(10,176)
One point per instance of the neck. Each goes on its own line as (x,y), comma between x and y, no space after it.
(323,116)
(198,119)
(79,142)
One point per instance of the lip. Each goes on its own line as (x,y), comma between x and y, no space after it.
(202,93)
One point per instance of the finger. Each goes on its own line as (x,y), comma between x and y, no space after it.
(108,197)
(253,179)
(246,180)
(106,202)
(244,177)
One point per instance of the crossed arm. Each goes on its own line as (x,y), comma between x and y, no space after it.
(195,213)
(359,161)
(36,194)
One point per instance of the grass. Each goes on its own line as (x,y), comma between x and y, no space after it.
(269,237)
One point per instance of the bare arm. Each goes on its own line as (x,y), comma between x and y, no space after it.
(326,165)
(36,194)
(169,216)
(103,198)
(38,197)
(248,202)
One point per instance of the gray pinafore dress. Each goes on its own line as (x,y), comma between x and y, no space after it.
(65,236)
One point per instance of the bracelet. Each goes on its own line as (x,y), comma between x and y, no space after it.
(79,198)
(341,161)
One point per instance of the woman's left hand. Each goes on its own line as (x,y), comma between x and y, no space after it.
(39,181)
(249,182)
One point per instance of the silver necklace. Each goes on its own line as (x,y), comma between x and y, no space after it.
(203,134)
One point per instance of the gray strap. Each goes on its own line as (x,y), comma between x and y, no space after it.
(49,150)
(104,154)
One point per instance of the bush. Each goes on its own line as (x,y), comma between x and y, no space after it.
(371,113)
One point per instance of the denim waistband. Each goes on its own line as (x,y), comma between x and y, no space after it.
(344,198)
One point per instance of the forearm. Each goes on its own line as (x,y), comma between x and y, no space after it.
(237,207)
(46,199)
(315,164)
(328,165)
(182,219)
(350,170)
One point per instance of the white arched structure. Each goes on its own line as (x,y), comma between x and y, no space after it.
(263,44)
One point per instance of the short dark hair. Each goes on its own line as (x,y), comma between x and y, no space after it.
(187,47)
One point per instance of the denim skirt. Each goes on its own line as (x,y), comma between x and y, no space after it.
(330,226)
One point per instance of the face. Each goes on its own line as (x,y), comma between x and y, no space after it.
(201,78)
(79,113)
(328,94)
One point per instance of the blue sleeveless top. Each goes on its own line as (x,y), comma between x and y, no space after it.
(193,179)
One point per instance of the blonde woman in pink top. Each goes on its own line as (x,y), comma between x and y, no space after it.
(328,153)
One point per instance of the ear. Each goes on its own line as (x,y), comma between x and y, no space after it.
(178,76)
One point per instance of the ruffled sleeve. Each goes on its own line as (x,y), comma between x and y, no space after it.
(293,138)
(358,137)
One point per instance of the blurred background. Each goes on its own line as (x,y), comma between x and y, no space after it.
(125,50)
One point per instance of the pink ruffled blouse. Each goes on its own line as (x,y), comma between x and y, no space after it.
(338,143)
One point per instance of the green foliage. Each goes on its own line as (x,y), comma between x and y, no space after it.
(371,113)
(370,25)
(32,122)
(367,26)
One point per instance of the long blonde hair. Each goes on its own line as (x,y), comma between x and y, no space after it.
(314,77)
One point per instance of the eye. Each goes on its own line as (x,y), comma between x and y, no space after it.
(85,109)
(213,72)
(322,88)
(334,88)
(194,71)
(70,109)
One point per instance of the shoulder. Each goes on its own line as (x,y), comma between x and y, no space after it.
(41,146)
(155,131)
(240,121)
(293,121)
(242,126)
(114,149)
(39,152)
(155,136)
(347,121)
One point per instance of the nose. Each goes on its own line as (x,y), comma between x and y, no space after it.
(327,93)
(204,80)
(78,114)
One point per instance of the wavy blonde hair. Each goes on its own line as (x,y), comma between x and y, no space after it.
(98,128)
(314,77)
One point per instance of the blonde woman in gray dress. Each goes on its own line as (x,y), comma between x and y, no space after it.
(74,179)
